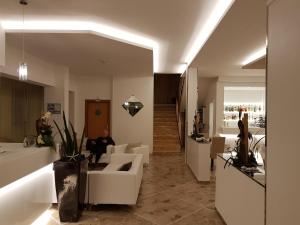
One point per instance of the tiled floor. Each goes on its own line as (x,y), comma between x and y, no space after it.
(169,195)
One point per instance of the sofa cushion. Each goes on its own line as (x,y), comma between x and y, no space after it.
(133,145)
(126,167)
(113,167)
(120,148)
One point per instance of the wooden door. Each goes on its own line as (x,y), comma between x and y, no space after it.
(97,117)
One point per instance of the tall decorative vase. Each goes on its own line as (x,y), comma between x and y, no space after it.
(70,183)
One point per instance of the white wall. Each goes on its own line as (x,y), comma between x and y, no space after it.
(283,107)
(192,98)
(2,46)
(245,95)
(54,78)
(59,93)
(207,91)
(88,88)
(58,81)
(39,71)
(126,128)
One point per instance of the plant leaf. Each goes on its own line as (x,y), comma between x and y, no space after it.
(81,141)
(62,138)
(70,144)
(74,138)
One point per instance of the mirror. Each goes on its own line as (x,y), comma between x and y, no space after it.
(132,105)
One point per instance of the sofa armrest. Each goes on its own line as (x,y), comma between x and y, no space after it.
(109,149)
(119,148)
(144,150)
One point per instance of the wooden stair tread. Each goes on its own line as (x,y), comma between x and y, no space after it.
(166,137)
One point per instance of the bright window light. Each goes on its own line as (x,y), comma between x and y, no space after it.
(219,11)
(260,53)
(86,27)
(18,183)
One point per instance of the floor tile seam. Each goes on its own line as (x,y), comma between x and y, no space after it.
(193,212)
(161,192)
(140,216)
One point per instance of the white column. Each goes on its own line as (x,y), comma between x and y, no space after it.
(283,107)
(192,97)
(2,46)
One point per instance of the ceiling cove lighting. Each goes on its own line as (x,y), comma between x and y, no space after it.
(219,11)
(260,53)
(23,66)
(86,27)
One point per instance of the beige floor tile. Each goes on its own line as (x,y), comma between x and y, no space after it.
(169,195)
(202,217)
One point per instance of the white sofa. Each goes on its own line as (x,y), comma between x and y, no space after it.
(111,186)
(124,148)
(144,150)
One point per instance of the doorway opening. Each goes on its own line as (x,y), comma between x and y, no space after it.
(168,134)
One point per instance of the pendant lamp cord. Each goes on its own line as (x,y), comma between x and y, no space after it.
(23,34)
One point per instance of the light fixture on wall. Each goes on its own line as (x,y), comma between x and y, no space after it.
(23,66)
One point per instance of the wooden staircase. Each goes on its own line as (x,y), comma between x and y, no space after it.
(166,137)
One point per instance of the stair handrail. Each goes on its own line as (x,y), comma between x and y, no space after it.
(178,111)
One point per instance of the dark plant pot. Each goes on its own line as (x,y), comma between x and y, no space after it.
(70,183)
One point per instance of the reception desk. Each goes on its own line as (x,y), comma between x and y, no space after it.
(198,159)
(26,183)
(240,198)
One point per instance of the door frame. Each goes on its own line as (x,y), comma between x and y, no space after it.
(86,109)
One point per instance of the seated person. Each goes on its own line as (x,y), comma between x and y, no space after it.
(99,145)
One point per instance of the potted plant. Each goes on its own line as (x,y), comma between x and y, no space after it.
(70,175)
(44,131)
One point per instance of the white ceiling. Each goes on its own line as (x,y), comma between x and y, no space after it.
(173,24)
(86,54)
(241,32)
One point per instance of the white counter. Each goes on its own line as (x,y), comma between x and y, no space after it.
(240,199)
(198,159)
(26,183)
